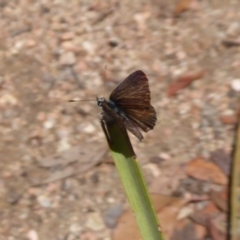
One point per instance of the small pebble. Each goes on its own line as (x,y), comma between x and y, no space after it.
(13,197)
(32,235)
(153,168)
(56,26)
(41,116)
(17,47)
(63,145)
(8,99)
(68,46)
(89,128)
(67,36)
(71,236)
(228,112)
(112,214)
(229,119)
(49,123)
(94,221)
(89,47)
(235,84)
(75,228)
(44,201)
(85,109)
(67,58)
(113,42)
(31,43)
(233,28)
(23,216)
(156,160)
(165,156)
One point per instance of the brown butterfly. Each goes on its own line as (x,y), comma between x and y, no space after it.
(129,105)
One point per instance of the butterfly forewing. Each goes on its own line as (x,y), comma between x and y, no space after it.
(132,88)
(132,96)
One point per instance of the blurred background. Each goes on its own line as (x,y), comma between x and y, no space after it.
(57,180)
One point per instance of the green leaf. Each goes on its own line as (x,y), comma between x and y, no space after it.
(133,182)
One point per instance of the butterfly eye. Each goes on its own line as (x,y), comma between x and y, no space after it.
(100,101)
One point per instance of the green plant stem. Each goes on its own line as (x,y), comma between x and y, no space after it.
(234,220)
(133,182)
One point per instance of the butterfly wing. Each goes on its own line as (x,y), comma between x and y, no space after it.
(110,115)
(132,96)
(135,83)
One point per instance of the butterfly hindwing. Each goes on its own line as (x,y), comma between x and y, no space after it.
(144,118)
(123,123)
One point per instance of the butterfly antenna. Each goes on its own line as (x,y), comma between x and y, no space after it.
(80,100)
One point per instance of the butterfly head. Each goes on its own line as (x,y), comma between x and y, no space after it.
(100,101)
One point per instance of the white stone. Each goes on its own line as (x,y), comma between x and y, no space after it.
(44,201)
(235,84)
(94,221)
(49,123)
(89,47)
(75,228)
(32,235)
(89,128)
(63,145)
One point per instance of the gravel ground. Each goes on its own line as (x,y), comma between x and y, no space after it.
(53,51)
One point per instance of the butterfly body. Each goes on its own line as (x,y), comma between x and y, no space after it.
(102,102)
(129,105)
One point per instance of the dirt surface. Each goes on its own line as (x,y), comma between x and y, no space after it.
(53,51)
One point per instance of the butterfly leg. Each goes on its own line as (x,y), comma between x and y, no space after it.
(105,130)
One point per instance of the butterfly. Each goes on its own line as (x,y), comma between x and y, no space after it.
(129,105)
